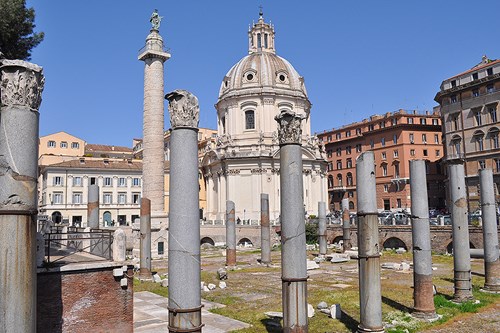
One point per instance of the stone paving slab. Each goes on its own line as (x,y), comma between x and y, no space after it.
(151,315)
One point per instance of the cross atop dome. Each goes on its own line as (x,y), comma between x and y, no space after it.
(261,36)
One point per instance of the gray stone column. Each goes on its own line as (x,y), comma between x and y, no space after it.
(154,55)
(370,297)
(460,228)
(20,96)
(230,234)
(346,226)
(265,231)
(145,238)
(490,232)
(423,294)
(293,238)
(93,207)
(322,227)
(184,295)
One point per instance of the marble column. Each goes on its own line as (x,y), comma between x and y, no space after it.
(322,227)
(145,238)
(293,238)
(265,231)
(153,161)
(93,206)
(184,270)
(20,96)
(230,234)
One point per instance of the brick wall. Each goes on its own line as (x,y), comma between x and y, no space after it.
(83,300)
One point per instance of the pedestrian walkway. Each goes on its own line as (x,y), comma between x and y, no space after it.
(151,315)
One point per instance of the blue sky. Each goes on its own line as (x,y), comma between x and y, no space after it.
(358,58)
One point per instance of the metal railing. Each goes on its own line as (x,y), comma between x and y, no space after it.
(62,245)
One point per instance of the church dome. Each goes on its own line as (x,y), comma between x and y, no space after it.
(262,70)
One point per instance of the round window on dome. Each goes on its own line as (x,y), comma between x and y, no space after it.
(282,78)
(249,76)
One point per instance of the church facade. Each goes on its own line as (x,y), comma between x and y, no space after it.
(244,162)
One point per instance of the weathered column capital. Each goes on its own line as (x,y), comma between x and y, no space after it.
(289,127)
(21,84)
(183,108)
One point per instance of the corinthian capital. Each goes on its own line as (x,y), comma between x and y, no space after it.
(183,108)
(21,84)
(289,130)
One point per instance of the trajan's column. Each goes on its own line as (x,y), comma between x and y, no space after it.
(154,55)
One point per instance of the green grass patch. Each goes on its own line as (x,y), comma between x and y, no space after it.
(150,286)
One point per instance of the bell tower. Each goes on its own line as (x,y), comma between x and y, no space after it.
(261,36)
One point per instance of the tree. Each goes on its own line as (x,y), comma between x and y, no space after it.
(16,30)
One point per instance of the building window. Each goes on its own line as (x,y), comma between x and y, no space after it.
(425,152)
(477,117)
(371,127)
(339,164)
(339,179)
(358,131)
(77,181)
(75,145)
(412,152)
(382,124)
(424,138)
(409,120)
(51,144)
(348,150)
(384,155)
(435,122)
(329,153)
(386,188)
(438,153)
(329,138)
(412,138)
(122,182)
(349,179)
(347,134)
(394,121)
(249,120)
(497,165)
(423,121)
(57,198)
(455,122)
(77,198)
(395,139)
(161,247)
(349,163)
(494,139)
(351,205)
(136,181)
(330,166)
(396,170)
(382,142)
(358,148)
(454,83)
(489,71)
(482,164)
(338,136)
(436,138)
(107,181)
(490,88)
(136,198)
(493,114)
(107,198)
(475,76)
(372,144)
(396,154)
(122,198)
(453,99)
(330,181)
(350,194)
(64,144)
(384,169)
(475,93)
(339,152)
(58,181)
(398,203)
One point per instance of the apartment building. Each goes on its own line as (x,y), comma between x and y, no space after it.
(395,138)
(468,103)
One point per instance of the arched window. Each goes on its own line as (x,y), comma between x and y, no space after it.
(330,181)
(478,140)
(259,42)
(456,145)
(493,134)
(351,205)
(249,120)
(265,41)
(339,179)
(349,179)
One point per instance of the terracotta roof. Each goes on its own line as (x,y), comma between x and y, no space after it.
(99,164)
(475,68)
(96,147)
